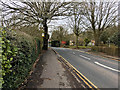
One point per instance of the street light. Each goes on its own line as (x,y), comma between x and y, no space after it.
(109,41)
(43,35)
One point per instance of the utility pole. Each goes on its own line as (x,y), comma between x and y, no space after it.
(109,41)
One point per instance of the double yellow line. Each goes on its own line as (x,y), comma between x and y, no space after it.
(80,75)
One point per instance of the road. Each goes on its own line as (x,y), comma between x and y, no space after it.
(102,72)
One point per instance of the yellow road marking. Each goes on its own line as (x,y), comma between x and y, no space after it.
(79,72)
(59,61)
(84,80)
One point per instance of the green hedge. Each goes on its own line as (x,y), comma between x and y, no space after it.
(28,50)
(108,50)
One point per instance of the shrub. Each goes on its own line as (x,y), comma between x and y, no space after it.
(86,40)
(21,52)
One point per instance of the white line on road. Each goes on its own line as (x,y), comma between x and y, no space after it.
(85,57)
(73,52)
(106,66)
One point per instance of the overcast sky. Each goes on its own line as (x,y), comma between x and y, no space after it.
(63,22)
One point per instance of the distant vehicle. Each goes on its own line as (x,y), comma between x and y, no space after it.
(55,43)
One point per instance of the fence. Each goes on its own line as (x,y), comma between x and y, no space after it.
(113,51)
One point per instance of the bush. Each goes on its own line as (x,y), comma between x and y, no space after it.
(86,40)
(9,52)
(28,49)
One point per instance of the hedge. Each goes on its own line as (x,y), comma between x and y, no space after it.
(28,48)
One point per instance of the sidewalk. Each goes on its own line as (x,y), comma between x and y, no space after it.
(50,73)
(53,73)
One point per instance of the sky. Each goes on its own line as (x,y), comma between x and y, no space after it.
(61,23)
(63,0)
(58,22)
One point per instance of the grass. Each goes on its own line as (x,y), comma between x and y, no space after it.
(79,47)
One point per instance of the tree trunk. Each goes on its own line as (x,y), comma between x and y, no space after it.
(76,41)
(45,38)
(97,39)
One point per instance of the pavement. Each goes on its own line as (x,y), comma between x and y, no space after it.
(53,73)
(101,71)
(49,72)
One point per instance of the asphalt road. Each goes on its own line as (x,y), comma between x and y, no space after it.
(100,71)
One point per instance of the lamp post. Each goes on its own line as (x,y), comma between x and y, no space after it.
(43,34)
(44,41)
(109,41)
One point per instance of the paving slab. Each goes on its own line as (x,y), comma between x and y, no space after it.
(50,73)
(53,74)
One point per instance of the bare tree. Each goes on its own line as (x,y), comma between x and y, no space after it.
(98,16)
(30,13)
(60,34)
(75,21)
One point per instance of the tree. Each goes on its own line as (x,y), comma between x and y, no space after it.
(97,16)
(36,13)
(115,38)
(104,37)
(60,34)
(86,41)
(108,33)
(75,21)
(87,34)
